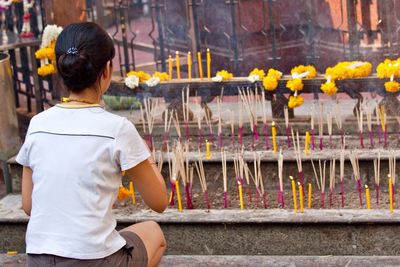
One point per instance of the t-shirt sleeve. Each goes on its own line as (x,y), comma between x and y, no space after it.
(130,149)
(23,154)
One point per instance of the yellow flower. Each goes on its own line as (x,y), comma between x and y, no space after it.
(163,76)
(123,193)
(225,75)
(258,72)
(329,88)
(274,73)
(295,84)
(46,70)
(392,86)
(45,53)
(270,83)
(295,101)
(143,76)
(312,72)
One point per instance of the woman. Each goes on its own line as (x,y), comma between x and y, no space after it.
(73,156)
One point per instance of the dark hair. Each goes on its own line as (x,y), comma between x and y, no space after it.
(82,52)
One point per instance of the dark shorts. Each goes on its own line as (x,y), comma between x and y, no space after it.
(132,254)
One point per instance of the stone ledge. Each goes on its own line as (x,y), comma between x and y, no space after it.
(236,260)
(11,212)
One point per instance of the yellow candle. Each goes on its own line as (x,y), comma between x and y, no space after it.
(189,62)
(368,197)
(199,62)
(178,65)
(240,195)
(132,190)
(208,64)
(170,67)
(309,196)
(301,197)
(307,142)
(274,136)
(390,193)
(178,195)
(294,194)
(208,150)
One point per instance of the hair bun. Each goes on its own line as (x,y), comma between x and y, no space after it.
(77,71)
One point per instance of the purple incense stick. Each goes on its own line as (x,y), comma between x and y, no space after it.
(255,132)
(206,199)
(189,204)
(377,187)
(342,190)
(225,200)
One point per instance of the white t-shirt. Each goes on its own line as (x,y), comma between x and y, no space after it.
(77,155)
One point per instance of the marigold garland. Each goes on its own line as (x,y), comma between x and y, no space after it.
(308,71)
(258,72)
(295,101)
(388,68)
(143,76)
(46,53)
(270,82)
(392,86)
(224,75)
(163,76)
(295,85)
(329,88)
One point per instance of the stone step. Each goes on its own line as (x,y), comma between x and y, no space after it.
(249,232)
(241,260)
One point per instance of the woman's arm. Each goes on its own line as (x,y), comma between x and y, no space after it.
(150,184)
(27,187)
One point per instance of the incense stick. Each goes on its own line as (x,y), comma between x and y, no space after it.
(339,122)
(329,123)
(392,170)
(369,111)
(264,109)
(199,133)
(232,123)
(342,174)
(286,115)
(378,124)
(321,126)
(241,124)
(297,150)
(225,178)
(312,127)
(202,178)
(359,114)
(356,173)
(220,142)
(377,167)
(332,180)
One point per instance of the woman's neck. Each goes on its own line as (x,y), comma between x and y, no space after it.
(87,96)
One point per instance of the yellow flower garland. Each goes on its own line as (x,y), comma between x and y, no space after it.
(143,76)
(312,72)
(344,70)
(260,73)
(295,101)
(225,75)
(392,86)
(388,68)
(295,85)
(270,82)
(45,54)
(163,76)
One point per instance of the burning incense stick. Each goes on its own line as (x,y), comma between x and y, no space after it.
(369,111)
(281,196)
(342,174)
(378,124)
(185,109)
(321,126)
(167,126)
(339,122)
(264,109)
(220,142)
(377,168)
(225,178)
(329,123)
(359,114)
(232,123)
(356,173)
(331,180)
(287,127)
